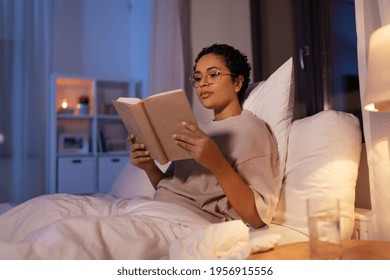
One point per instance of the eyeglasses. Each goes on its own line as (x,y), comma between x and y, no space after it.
(211,78)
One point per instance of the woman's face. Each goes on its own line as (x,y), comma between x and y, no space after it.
(222,95)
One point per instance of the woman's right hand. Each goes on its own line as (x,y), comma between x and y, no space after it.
(139,155)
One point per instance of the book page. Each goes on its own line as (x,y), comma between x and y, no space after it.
(166,112)
(136,121)
(129,100)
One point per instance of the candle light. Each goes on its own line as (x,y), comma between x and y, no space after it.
(64,108)
(64,104)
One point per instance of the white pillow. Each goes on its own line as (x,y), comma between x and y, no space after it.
(133,182)
(273,102)
(323,158)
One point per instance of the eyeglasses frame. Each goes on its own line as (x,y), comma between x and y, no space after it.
(207,75)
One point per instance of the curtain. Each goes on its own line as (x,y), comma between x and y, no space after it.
(24,81)
(370,15)
(170,52)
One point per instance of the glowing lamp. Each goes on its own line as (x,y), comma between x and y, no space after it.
(377,96)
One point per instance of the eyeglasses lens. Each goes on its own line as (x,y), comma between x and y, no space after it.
(211,78)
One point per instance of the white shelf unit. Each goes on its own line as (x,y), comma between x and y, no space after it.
(87,149)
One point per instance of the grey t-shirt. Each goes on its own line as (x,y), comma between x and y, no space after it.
(250,147)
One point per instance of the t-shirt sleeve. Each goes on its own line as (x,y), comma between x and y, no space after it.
(261,174)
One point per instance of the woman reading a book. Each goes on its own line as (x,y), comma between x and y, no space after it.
(234,173)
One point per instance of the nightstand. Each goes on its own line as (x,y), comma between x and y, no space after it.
(351,250)
(363,228)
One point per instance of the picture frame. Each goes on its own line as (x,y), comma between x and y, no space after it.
(73,143)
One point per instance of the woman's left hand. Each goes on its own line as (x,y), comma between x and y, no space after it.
(200,145)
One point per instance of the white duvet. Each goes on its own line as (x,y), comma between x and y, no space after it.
(63,226)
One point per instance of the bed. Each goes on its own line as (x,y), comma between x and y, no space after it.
(319,154)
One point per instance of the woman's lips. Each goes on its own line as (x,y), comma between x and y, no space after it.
(204,95)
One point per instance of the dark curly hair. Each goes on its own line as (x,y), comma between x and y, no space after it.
(235,61)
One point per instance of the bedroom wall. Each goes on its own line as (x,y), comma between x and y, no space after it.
(99,38)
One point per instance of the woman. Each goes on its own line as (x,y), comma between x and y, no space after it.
(234,170)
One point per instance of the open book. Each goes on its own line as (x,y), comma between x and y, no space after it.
(155,119)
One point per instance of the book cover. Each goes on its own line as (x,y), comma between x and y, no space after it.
(155,119)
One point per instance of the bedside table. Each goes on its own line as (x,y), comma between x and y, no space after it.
(351,250)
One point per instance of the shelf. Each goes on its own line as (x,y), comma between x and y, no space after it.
(88,117)
(108,117)
(114,154)
(74,117)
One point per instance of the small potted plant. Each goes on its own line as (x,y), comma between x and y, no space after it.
(83,105)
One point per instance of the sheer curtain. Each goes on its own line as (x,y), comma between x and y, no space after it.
(170,51)
(24,92)
(370,15)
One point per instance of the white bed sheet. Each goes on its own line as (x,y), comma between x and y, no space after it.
(63,226)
